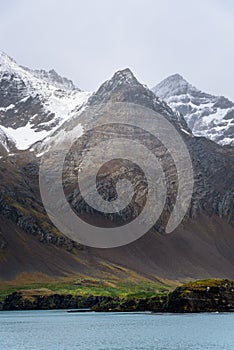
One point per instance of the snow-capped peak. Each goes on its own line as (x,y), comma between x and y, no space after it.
(34,78)
(34,103)
(207,115)
(173,85)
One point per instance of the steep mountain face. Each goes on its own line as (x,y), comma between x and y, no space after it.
(211,163)
(201,247)
(34,103)
(207,115)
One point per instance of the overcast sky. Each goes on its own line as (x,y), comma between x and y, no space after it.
(89,40)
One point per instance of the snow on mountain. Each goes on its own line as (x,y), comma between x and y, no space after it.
(207,115)
(52,77)
(34,103)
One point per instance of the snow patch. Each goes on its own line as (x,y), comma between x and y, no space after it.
(25,136)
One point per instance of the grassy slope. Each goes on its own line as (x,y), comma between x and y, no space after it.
(82,286)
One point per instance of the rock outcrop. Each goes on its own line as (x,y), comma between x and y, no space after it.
(202,296)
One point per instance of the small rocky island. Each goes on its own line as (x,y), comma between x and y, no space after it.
(212,295)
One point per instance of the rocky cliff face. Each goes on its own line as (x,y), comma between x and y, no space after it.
(47,300)
(202,296)
(207,115)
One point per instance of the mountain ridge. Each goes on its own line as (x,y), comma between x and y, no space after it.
(36,102)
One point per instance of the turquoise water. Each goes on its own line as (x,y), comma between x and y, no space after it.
(59,330)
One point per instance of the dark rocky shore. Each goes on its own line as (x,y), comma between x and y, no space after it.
(199,296)
(36,301)
(202,296)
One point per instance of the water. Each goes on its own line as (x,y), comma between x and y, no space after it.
(59,330)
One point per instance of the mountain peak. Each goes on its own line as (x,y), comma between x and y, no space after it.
(124,87)
(206,115)
(124,76)
(10,66)
(33,103)
(121,78)
(175,77)
(121,81)
(175,84)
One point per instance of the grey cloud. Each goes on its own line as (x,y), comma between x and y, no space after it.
(89,40)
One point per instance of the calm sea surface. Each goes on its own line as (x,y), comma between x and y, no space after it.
(59,330)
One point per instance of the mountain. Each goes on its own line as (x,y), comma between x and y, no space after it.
(33,103)
(207,115)
(202,245)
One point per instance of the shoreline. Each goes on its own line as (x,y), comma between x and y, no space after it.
(212,295)
(149,313)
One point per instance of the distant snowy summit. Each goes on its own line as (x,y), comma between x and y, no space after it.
(206,115)
(33,103)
